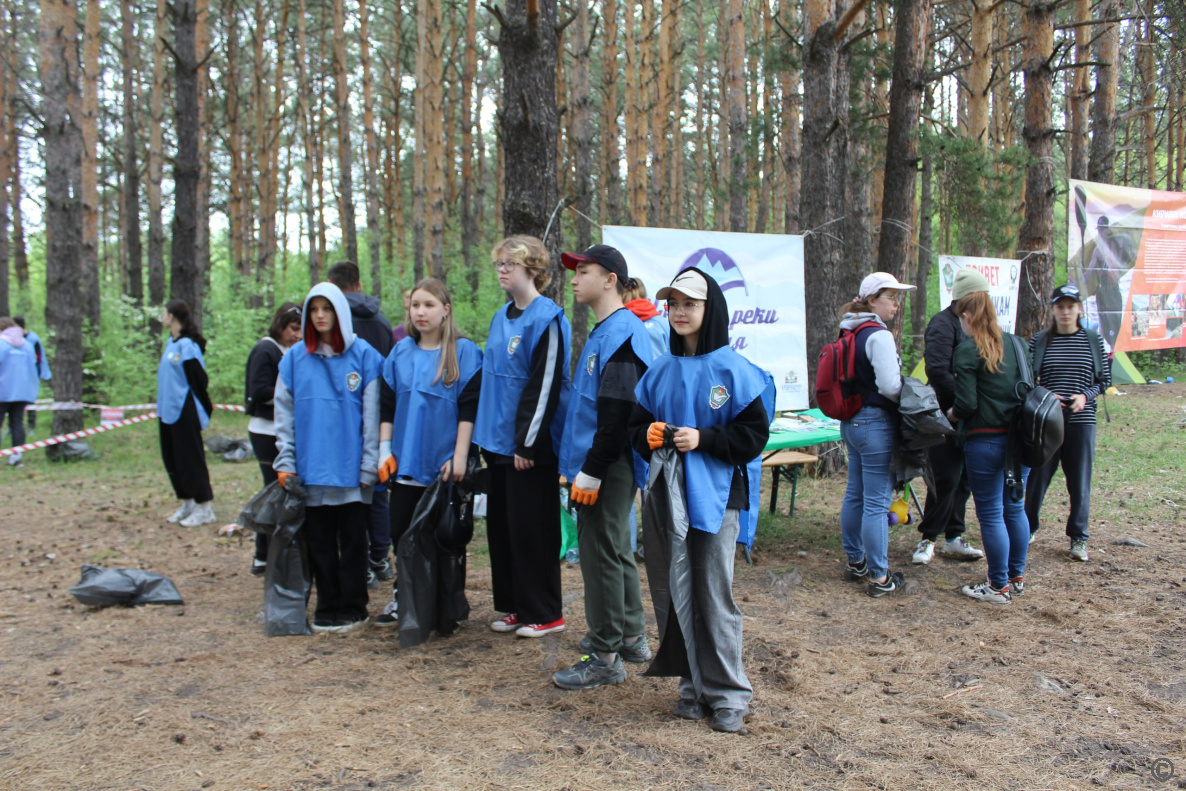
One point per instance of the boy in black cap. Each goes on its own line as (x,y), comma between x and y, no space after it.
(595,455)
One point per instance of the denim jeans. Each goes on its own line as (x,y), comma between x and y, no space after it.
(864,516)
(1004,528)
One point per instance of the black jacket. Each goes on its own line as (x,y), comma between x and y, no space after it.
(942,336)
(369,324)
(263,366)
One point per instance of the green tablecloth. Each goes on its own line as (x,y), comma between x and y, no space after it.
(808,435)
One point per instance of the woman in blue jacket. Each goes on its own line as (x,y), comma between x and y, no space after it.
(436,376)
(184,409)
(17,370)
(326,408)
(521,409)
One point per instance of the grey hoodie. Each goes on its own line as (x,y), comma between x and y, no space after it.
(882,352)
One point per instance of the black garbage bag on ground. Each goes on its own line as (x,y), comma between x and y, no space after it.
(100,587)
(430,559)
(71,450)
(280,513)
(923,423)
(665,527)
(241,451)
(217,443)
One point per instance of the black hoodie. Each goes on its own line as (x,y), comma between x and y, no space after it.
(714,331)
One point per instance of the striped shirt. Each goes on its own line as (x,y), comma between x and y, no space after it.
(1068,370)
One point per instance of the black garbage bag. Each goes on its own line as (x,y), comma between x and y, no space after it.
(923,423)
(240,451)
(100,587)
(280,513)
(217,443)
(431,559)
(665,527)
(71,450)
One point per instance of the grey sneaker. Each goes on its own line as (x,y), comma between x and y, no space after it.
(689,710)
(984,591)
(728,721)
(1017,586)
(959,549)
(1079,549)
(592,671)
(638,652)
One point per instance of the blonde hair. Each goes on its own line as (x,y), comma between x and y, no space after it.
(986,331)
(634,290)
(528,252)
(447,366)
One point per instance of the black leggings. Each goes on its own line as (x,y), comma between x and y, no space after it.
(184,455)
(15,412)
(264,447)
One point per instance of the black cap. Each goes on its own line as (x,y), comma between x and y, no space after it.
(1069,291)
(603,254)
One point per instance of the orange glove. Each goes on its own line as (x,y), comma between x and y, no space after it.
(284,476)
(585,489)
(388,465)
(655,435)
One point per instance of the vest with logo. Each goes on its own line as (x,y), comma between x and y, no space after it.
(172,388)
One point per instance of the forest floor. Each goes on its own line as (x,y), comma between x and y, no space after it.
(1081,683)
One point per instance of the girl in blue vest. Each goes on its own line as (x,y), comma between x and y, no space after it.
(41,372)
(184,409)
(436,377)
(326,410)
(521,409)
(720,405)
(17,371)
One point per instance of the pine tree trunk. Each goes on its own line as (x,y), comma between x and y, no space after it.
(1036,240)
(156,159)
(60,99)
(6,134)
(789,134)
(581,129)
(735,78)
(469,226)
(1149,101)
(185,276)
(205,133)
(529,121)
(980,70)
(1080,92)
(1101,166)
(271,151)
(397,142)
(611,207)
(307,132)
(131,164)
(371,174)
(703,120)
(636,123)
(20,253)
(675,149)
(236,183)
(89,282)
(918,300)
(420,152)
(345,155)
(432,96)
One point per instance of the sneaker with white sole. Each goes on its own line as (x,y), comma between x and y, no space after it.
(923,552)
(345,625)
(855,572)
(1017,586)
(15,460)
(959,549)
(258,567)
(540,629)
(187,508)
(894,581)
(638,652)
(507,623)
(1079,549)
(390,616)
(203,514)
(1033,536)
(984,591)
(592,671)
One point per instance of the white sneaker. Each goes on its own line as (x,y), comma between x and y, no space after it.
(924,552)
(203,514)
(187,508)
(984,591)
(960,550)
(15,460)
(1079,549)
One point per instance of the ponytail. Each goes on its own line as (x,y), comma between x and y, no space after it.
(179,309)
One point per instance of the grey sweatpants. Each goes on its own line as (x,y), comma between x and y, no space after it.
(717,620)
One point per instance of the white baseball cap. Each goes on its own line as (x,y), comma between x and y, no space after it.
(688,282)
(879,280)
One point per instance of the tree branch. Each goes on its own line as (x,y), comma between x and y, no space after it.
(496,12)
(849,17)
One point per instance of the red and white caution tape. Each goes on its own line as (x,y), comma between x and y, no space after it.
(230,407)
(86,432)
(66,406)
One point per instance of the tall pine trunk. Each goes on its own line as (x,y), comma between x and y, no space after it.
(1080,91)
(738,129)
(185,274)
(345,154)
(156,159)
(371,175)
(89,280)
(131,163)
(432,95)
(1101,165)
(6,133)
(469,225)
(581,129)
(611,195)
(307,131)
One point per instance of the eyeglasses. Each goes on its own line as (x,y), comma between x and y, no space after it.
(688,306)
(504,266)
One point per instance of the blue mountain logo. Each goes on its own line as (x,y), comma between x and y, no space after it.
(719,265)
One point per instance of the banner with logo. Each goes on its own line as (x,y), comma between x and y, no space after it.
(761,276)
(1126,250)
(1002,274)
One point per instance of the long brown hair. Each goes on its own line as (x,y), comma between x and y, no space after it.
(863,305)
(447,366)
(530,253)
(986,331)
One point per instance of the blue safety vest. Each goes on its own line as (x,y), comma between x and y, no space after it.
(709,390)
(424,433)
(506,369)
(327,410)
(172,388)
(580,425)
(40,366)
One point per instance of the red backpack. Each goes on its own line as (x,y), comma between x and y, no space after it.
(836,390)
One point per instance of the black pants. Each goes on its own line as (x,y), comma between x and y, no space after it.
(184,455)
(403,502)
(379,526)
(523,530)
(336,536)
(15,412)
(1075,456)
(947,492)
(264,446)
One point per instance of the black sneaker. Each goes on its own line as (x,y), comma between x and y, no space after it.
(390,616)
(383,570)
(689,710)
(893,582)
(323,625)
(637,652)
(592,671)
(258,567)
(855,572)
(728,721)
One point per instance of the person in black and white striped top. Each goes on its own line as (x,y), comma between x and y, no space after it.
(1070,360)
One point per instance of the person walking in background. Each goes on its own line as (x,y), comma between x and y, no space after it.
(434,377)
(326,408)
(655,322)
(521,410)
(184,409)
(1071,362)
(263,366)
(16,369)
(401,331)
(987,372)
(947,481)
(596,457)
(41,372)
(372,326)
(870,434)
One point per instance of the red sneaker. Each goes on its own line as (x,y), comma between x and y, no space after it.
(507,623)
(540,629)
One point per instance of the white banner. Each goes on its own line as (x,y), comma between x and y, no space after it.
(1002,274)
(761,276)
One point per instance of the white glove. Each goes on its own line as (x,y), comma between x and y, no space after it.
(587,482)
(384,450)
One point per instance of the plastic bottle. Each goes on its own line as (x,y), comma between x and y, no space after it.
(573,556)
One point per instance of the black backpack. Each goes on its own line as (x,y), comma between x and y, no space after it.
(1037,430)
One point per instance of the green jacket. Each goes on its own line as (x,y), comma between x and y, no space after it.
(985,402)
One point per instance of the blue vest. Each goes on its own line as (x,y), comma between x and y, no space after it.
(709,390)
(619,327)
(18,372)
(506,368)
(172,388)
(40,367)
(327,410)
(424,433)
